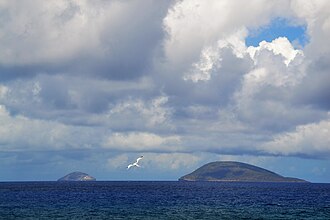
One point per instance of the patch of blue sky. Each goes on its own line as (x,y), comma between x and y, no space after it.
(314,170)
(279,27)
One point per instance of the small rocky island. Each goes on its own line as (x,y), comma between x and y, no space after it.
(77,176)
(230,171)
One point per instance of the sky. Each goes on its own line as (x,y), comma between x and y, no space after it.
(91,85)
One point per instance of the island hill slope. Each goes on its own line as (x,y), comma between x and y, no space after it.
(230,171)
(77,176)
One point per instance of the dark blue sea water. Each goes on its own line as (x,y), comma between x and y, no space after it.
(163,200)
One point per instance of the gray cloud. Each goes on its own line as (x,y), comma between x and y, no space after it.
(109,39)
(314,89)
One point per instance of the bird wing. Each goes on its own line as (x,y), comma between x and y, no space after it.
(137,160)
(135,164)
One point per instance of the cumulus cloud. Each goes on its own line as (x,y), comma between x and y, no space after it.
(66,24)
(267,94)
(313,90)
(72,99)
(190,30)
(210,57)
(79,36)
(314,13)
(280,46)
(152,113)
(310,140)
(19,133)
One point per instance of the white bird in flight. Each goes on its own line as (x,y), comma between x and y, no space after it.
(135,164)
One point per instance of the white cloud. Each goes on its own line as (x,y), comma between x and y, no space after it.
(210,57)
(65,24)
(316,15)
(152,113)
(142,141)
(279,46)
(79,37)
(190,30)
(310,140)
(267,89)
(117,162)
(19,133)
(171,161)
(3,91)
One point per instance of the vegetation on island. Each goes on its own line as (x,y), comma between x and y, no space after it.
(230,171)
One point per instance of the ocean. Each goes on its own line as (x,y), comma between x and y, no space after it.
(163,200)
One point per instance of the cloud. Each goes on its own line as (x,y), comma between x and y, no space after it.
(152,113)
(314,13)
(19,133)
(27,39)
(210,57)
(80,37)
(190,30)
(142,141)
(170,161)
(310,140)
(71,99)
(267,96)
(3,91)
(119,161)
(279,46)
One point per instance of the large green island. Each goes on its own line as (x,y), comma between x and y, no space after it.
(230,171)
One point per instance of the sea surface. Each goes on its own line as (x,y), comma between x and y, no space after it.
(163,200)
